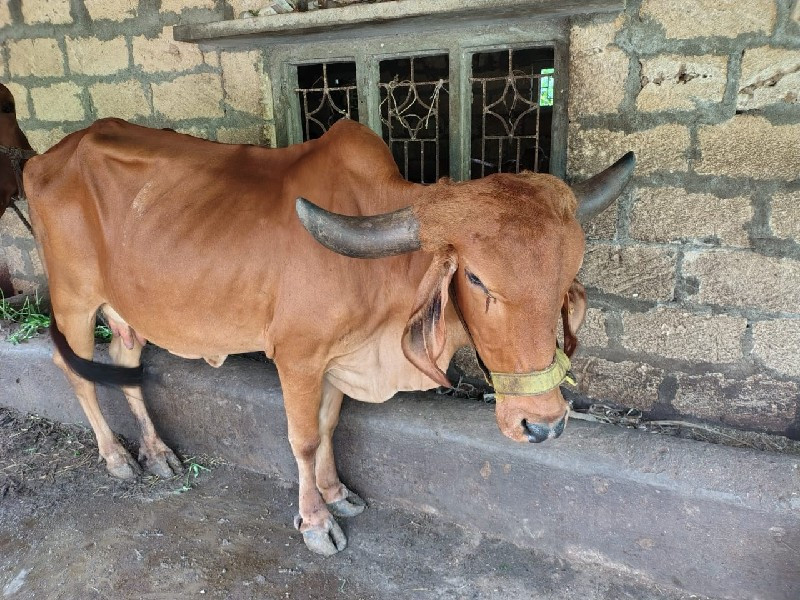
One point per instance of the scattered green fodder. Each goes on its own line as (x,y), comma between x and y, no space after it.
(32,317)
(193,470)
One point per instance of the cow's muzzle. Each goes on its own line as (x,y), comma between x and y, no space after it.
(539,432)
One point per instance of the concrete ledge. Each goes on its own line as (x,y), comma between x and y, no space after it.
(384,18)
(710,519)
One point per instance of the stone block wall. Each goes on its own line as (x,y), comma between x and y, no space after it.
(694,278)
(70,62)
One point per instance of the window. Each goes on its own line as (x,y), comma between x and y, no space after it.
(444,106)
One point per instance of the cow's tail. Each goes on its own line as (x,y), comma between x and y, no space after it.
(94,371)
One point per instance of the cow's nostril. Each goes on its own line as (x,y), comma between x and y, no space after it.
(558,428)
(536,432)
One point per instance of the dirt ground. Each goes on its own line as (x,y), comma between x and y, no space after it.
(68,530)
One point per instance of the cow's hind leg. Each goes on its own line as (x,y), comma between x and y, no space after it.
(78,329)
(341,501)
(154,454)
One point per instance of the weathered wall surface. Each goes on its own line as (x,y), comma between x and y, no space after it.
(693,278)
(70,62)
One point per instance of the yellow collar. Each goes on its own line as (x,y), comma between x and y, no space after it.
(535,382)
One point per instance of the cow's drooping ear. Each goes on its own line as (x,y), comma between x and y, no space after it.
(425,334)
(573,311)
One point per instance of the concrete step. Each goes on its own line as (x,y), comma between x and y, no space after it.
(706,519)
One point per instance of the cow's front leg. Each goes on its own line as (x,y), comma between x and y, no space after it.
(302,397)
(341,501)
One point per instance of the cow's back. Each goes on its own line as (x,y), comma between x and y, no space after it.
(164,227)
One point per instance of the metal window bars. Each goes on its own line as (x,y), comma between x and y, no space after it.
(412,113)
(321,107)
(506,111)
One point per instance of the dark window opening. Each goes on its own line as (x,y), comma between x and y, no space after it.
(415,113)
(327,93)
(512,111)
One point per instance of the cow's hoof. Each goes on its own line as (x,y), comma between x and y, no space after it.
(327,539)
(162,462)
(349,506)
(122,466)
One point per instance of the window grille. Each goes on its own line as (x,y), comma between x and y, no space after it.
(414,113)
(463,104)
(510,127)
(327,93)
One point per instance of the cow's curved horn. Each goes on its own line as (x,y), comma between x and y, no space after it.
(597,193)
(361,237)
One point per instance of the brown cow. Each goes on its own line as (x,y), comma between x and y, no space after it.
(14,150)
(145,225)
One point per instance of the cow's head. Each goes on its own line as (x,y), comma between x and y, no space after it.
(11,137)
(506,249)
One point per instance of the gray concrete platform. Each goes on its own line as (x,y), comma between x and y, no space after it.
(708,519)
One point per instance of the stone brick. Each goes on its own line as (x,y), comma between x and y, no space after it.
(14,259)
(769,76)
(270,137)
(675,82)
(239,6)
(750,146)
(5,14)
(211,58)
(633,272)
(58,102)
(711,18)
(44,139)
(681,335)
(619,383)
(194,131)
(20,94)
(673,215)
(91,56)
(124,99)
(177,6)
(52,12)
(796,12)
(777,344)
(189,97)
(11,225)
(593,331)
(36,262)
(663,148)
(266,95)
(240,135)
(745,279)
(784,218)
(464,360)
(39,57)
(241,80)
(598,69)
(604,225)
(23,285)
(163,54)
(112,10)
(756,402)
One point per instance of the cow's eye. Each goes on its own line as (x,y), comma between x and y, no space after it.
(474,280)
